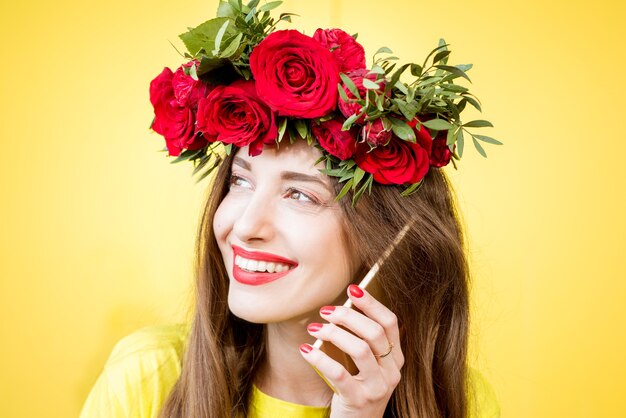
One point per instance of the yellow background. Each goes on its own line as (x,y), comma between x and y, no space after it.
(97,228)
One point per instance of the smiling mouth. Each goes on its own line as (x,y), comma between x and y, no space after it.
(260,266)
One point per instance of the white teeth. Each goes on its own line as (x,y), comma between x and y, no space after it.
(262,266)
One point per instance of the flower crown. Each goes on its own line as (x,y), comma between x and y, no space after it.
(246,83)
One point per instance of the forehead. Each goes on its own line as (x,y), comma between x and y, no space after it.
(296,157)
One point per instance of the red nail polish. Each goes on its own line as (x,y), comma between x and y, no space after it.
(306,348)
(327,310)
(355,291)
(314,327)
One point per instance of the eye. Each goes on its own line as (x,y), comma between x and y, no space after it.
(300,196)
(238,181)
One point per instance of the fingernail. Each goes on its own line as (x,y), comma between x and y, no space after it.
(355,291)
(306,348)
(314,326)
(327,310)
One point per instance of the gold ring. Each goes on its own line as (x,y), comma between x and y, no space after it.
(387,353)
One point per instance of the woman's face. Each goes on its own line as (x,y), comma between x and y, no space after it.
(280,234)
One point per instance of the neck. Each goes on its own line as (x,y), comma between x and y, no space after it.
(284,374)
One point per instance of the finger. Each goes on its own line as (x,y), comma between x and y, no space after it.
(366,328)
(359,350)
(379,313)
(337,375)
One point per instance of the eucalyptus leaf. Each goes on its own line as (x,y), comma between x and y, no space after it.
(460,143)
(301,127)
(282,127)
(370,85)
(438,124)
(345,189)
(254,3)
(416,70)
(488,139)
(348,123)
(454,70)
(219,36)
(441,55)
(347,81)
(402,130)
(269,6)
(383,50)
(358,176)
(479,147)
(232,47)
(478,124)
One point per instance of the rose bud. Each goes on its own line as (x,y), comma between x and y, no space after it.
(375,133)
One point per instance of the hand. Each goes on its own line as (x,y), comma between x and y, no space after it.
(367,393)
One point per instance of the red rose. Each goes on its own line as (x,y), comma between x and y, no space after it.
(341,144)
(375,133)
(441,154)
(423,136)
(295,75)
(187,90)
(352,107)
(399,162)
(348,53)
(175,122)
(235,114)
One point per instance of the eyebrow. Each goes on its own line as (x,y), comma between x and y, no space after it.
(288,175)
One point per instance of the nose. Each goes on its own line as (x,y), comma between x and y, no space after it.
(256,220)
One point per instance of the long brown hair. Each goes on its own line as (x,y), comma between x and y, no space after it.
(424,282)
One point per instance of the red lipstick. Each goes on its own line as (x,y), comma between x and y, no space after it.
(257,278)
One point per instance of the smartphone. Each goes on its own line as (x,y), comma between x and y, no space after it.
(374,289)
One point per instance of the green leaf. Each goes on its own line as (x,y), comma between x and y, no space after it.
(253,4)
(438,124)
(453,70)
(454,87)
(347,81)
(203,36)
(441,55)
(377,69)
(460,143)
(282,127)
(402,87)
(342,93)
(366,185)
(348,123)
(193,72)
(225,10)
(358,176)
(488,139)
(370,85)
(451,136)
(402,130)
(384,50)
(228,148)
(473,102)
(232,47)
(219,36)
(269,6)
(479,147)
(301,128)
(345,189)
(236,5)
(464,67)
(478,124)
(412,188)
(416,70)
(395,77)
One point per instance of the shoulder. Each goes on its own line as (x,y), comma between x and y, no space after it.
(139,374)
(482,401)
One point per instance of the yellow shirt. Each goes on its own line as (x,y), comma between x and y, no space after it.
(144,366)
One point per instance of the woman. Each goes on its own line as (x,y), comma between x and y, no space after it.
(290,227)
